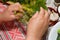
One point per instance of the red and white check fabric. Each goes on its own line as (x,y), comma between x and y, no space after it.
(10,31)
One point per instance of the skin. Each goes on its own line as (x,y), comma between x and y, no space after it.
(37,25)
(8,14)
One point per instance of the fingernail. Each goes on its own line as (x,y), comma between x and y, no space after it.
(41,8)
(36,11)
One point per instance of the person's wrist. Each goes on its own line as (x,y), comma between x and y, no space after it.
(30,37)
(33,36)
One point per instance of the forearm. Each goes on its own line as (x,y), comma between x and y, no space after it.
(33,36)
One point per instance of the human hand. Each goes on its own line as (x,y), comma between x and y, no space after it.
(38,25)
(8,14)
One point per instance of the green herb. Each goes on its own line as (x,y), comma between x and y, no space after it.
(30,7)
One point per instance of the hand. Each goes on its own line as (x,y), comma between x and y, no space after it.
(38,25)
(8,14)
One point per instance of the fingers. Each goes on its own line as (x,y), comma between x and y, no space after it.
(20,7)
(13,17)
(19,15)
(11,9)
(42,12)
(47,15)
(35,15)
(9,2)
(15,7)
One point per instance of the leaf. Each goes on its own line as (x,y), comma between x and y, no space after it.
(58,31)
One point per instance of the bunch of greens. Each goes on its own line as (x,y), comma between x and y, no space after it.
(30,7)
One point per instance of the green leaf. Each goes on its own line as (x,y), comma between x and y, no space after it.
(58,31)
